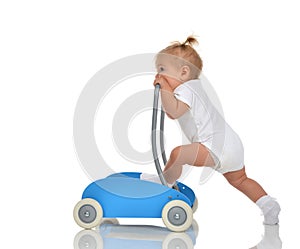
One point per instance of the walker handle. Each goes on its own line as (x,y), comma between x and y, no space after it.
(153,135)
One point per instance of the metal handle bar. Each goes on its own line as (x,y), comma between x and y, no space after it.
(153,135)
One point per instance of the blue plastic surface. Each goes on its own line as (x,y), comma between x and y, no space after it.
(127,174)
(125,195)
(131,187)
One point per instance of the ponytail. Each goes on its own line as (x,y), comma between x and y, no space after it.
(190,41)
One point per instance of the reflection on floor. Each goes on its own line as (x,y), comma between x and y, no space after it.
(111,235)
(271,239)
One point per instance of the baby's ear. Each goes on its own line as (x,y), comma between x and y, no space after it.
(185,72)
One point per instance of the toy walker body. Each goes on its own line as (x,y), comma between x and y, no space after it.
(125,195)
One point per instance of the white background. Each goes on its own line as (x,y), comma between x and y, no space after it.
(50,49)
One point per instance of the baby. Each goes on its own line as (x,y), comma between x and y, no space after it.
(213,143)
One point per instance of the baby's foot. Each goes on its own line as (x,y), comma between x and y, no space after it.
(272,212)
(150,178)
(153,178)
(270,239)
(270,209)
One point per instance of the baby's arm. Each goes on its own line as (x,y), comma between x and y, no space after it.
(173,107)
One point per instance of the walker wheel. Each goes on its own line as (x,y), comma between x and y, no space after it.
(177,216)
(88,213)
(195,205)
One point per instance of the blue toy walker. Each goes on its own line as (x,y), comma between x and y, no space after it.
(125,195)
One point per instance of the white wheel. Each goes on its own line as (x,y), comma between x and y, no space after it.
(88,239)
(177,240)
(195,205)
(88,213)
(177,216)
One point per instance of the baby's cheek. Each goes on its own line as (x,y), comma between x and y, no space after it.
(167,77)
(165,74)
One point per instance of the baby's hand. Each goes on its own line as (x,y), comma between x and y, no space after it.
(160,80)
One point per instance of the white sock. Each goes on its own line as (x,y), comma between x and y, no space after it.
(270,209)
(270,239)
(152,178)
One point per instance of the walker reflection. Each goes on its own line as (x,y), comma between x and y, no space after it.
(110,235)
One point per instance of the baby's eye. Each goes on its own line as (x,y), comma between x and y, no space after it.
(161,69)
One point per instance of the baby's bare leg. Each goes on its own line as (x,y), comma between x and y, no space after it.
(269,206)
(249,187)
(194,154)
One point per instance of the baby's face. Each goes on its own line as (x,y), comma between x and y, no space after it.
(170,71)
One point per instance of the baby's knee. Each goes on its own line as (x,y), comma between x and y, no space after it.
(175,153)
(237,181)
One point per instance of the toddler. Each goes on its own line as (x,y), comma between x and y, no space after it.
(213,143)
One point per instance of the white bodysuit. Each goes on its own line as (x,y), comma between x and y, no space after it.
(204,124)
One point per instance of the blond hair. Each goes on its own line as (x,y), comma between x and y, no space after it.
(186,52)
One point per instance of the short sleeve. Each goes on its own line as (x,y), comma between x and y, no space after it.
(184,94)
